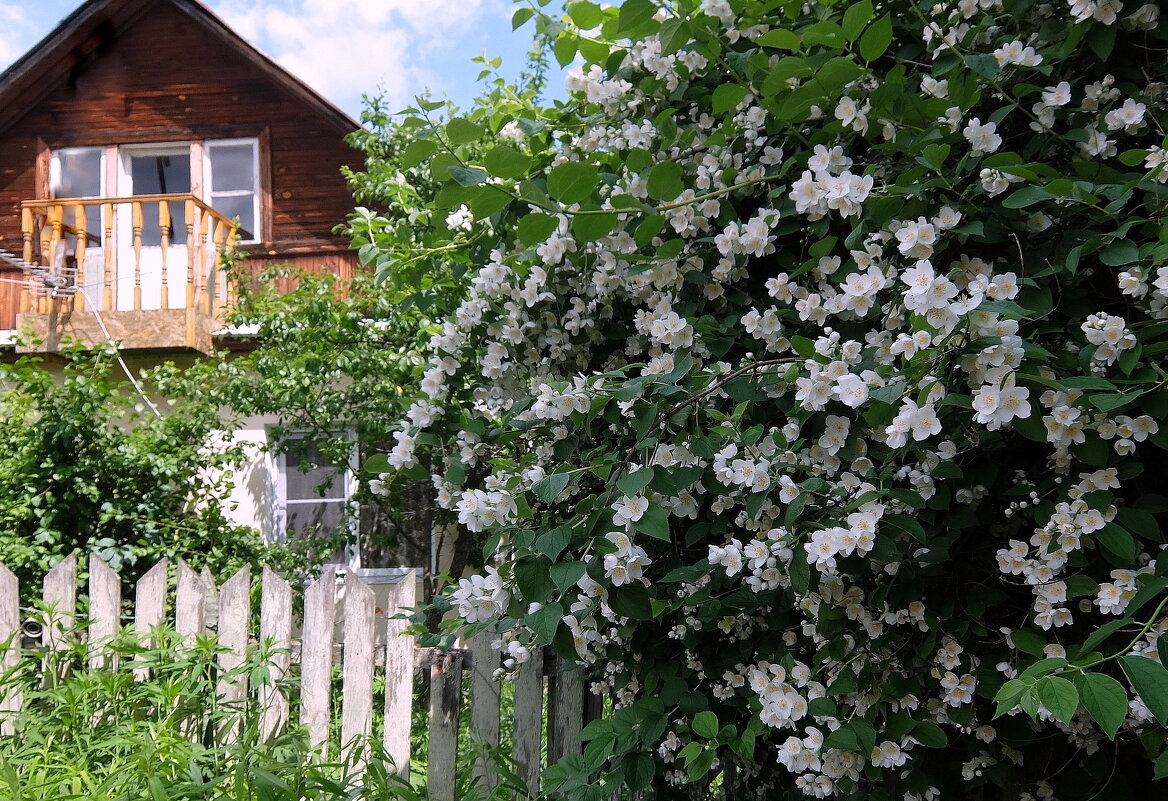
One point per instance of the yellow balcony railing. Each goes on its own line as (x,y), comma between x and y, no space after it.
(126,254)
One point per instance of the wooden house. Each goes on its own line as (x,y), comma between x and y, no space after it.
(138,141)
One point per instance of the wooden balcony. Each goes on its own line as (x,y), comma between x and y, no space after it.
(146,271)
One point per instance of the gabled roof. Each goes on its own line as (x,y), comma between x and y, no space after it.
(82,36)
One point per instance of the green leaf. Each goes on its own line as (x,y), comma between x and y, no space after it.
(585,14)
(1119,254)
(521,16)
(1117,541)
(664,182)
(654,523)
(631,484)
(1027,196)
(466,176)
(1059,696)
(930,735)
(590,227)
(504,161)
(856,17)
(566,574)
(983,64)
(552,543)
(1105,700)
(779,39)
(705,724)
(460,130)
(876,39)
(535,228)
(572,182)
(632,601)
(633,14)
(548,488)
(416,152)
(1150,680)
(1028,642)
(726,98)
(545,621)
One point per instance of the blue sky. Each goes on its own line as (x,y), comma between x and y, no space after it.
(343,48)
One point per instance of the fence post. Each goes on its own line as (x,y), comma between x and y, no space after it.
(399,675)
(565,713)
(234,615)
(357,683)
(60,595)
(105,611)
(484,711)
(528,733)
(190,604)
(316,657)
(10,697)
(445,706)
(275,633)
(150,608)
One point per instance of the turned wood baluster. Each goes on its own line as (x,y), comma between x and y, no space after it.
(164,227)
(190,222)
(136,223)
(27,223)
(207,235)
(220,238)
(81,223)
(109,211)
(49,249)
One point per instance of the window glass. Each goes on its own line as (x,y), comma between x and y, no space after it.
(234,183)
(76,172)
(310,476)
(162,174)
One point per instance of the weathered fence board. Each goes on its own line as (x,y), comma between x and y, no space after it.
(201,607)
(10,631)
(276,634)
(234,618)
(484,710)
(527,737)
(445,709)
(105,610)
(399,675)
(357,684)
(316,657)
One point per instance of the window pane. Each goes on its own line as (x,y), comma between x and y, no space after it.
(79,173)
(232,168)
(241,206)
(304,484)
(160,175)
(319,519)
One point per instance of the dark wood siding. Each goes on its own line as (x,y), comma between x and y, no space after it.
(169,78)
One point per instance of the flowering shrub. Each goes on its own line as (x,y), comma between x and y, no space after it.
(805,374)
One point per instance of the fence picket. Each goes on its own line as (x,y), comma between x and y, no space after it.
(399,675)
(357,681)
(150,606)
(566,713)
(484,711)
(234,616)
(316,657)
(105,611)
(60,595)
(528,733)
(275,633)
(10,635)
(190,605)
(445,706)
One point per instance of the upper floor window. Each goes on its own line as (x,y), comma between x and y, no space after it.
(234,186)
(79,172)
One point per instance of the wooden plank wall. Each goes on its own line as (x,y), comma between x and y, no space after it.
(327,602)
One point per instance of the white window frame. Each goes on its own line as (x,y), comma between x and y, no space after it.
(286,461)
(210,195)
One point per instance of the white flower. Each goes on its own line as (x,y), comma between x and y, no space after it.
(983,138)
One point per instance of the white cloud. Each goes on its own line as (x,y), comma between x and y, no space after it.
(343,48)
(15,31)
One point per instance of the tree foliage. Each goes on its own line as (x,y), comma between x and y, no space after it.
(84,465)
(804,373)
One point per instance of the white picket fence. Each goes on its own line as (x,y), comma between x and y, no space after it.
(333,605)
